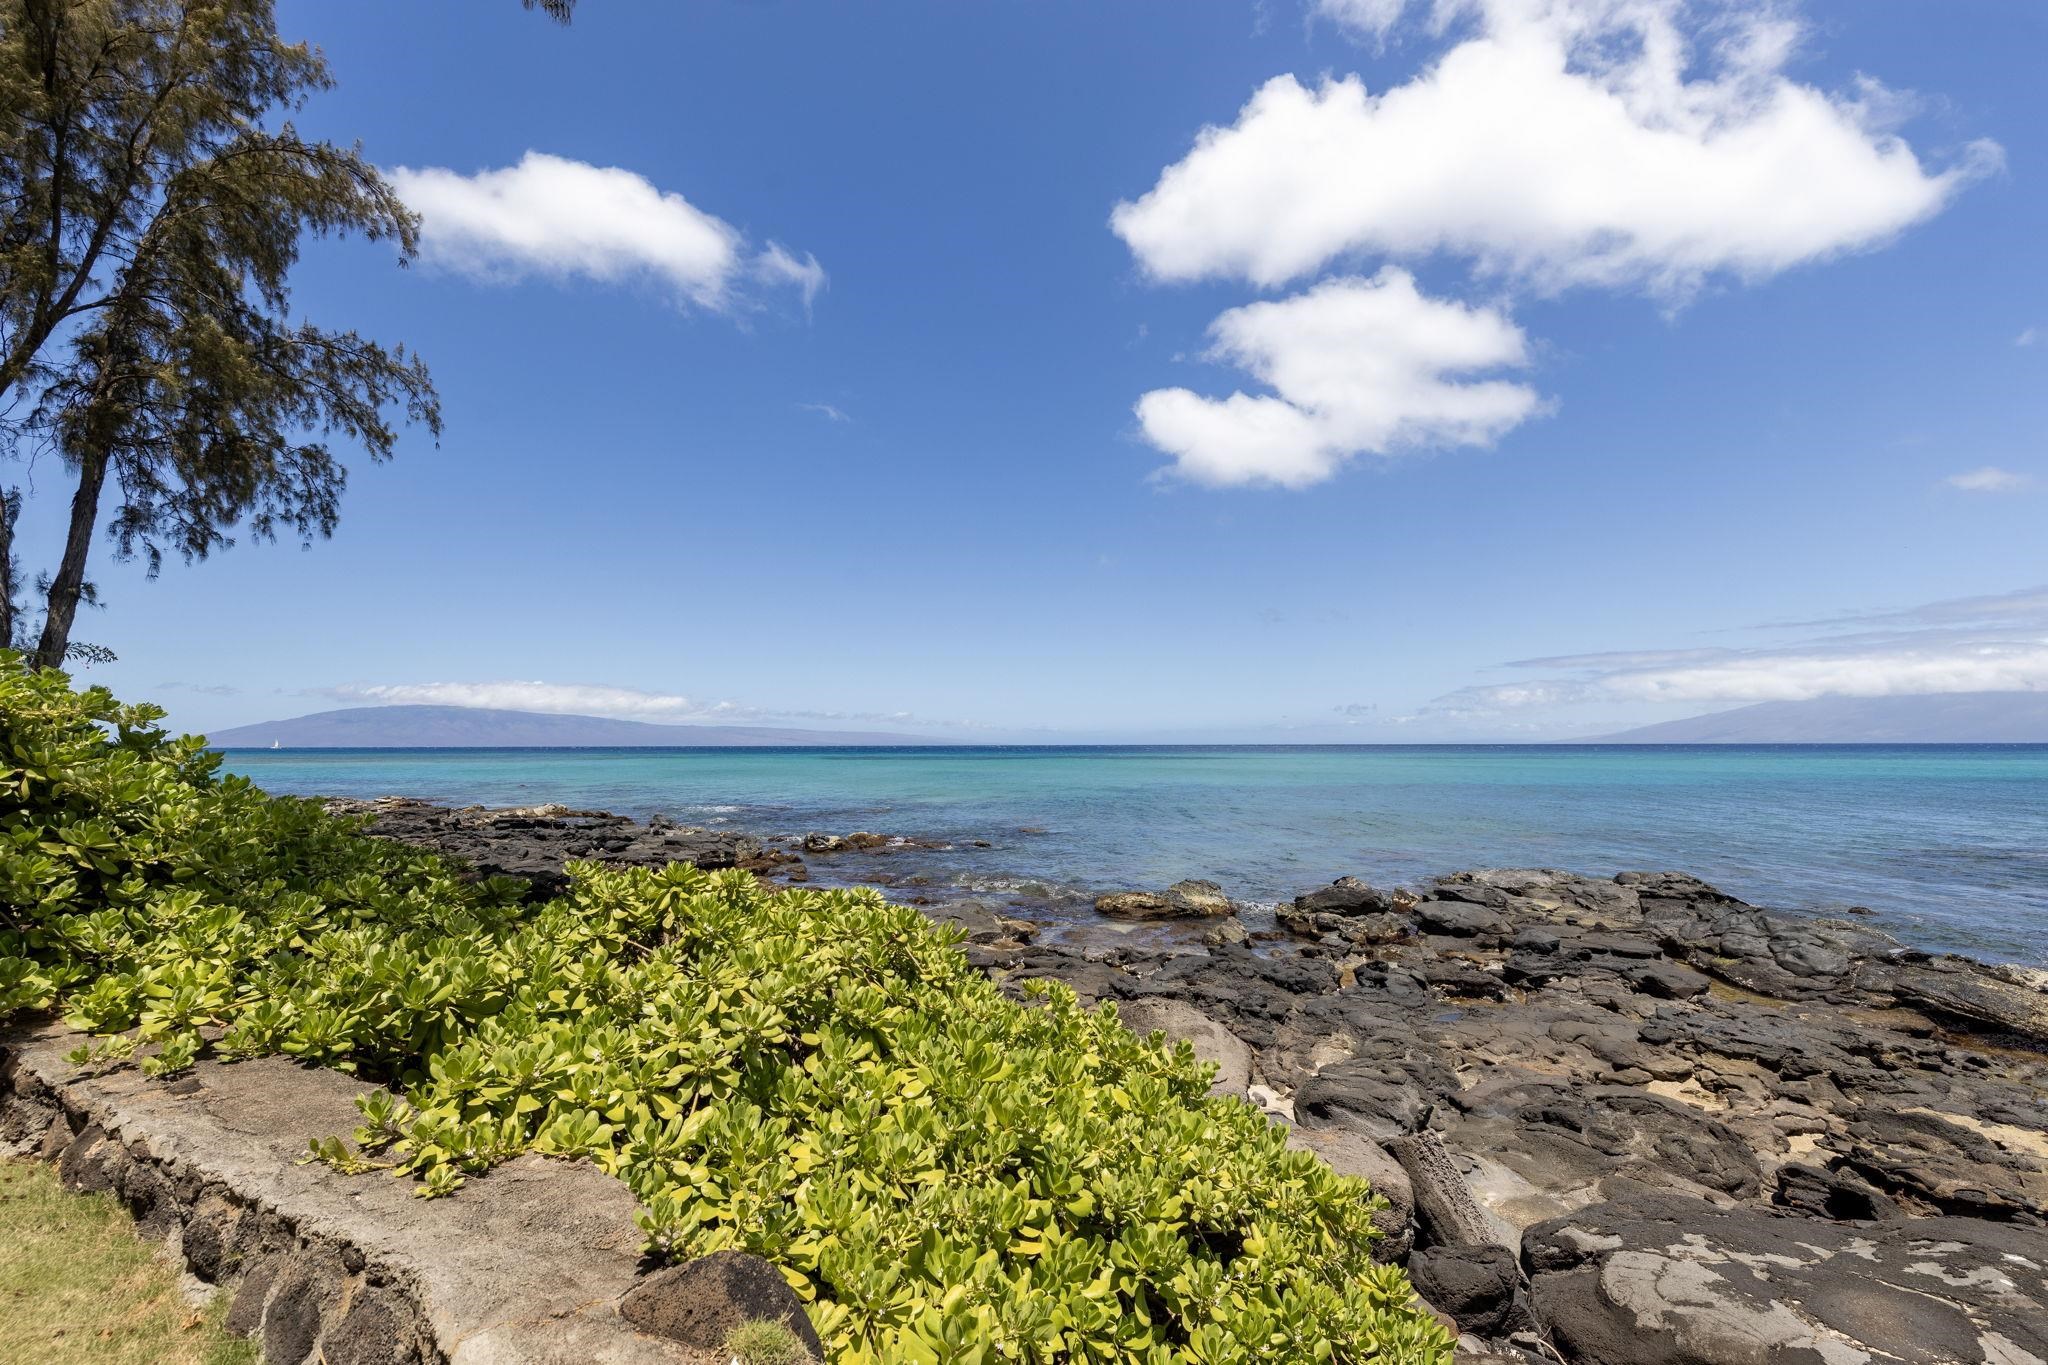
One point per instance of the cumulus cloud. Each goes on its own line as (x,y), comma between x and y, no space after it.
(555,218)
(1977,644)
(1561,143)
(1989,479)
(1640,145)
(1355,365)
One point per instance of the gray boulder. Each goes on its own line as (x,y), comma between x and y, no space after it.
(700,1302)
(1346,895)
(1349,1150)
(1183,1023)
(1474,1284)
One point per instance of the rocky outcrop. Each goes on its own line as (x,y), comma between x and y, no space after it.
(1689,1129)
(533,842)
(1343,905)
(1539,1044)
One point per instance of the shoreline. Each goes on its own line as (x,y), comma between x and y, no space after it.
(1558,1081)
(1946,851)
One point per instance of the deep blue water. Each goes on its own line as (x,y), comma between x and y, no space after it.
(1948,844)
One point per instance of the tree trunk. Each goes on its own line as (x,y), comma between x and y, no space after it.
(7,584)
(69,583)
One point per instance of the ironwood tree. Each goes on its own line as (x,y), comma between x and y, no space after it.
(154,197)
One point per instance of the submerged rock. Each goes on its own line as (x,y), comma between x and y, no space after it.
(1227,932)
(1134,905)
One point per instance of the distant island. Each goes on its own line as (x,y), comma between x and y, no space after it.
(1955,718)
(1952,718)
(471,727)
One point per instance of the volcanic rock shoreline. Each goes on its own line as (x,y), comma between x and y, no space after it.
(1621,1121)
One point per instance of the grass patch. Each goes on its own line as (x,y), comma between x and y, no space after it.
(766,1343)
(78,1285)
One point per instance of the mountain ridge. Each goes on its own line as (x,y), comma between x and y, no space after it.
(1942,718)
(475,727)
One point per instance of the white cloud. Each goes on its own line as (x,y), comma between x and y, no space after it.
(1367,18)
(580,699)
(2027,337)
(1981,667)
(1645,145)
(1746,677)
(597,699)
(559,219)
(1979,644)
(1356,366)
(1563,142)
(778,265)
(1989,479)
(826,411)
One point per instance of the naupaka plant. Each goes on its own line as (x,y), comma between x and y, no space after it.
(943,1172)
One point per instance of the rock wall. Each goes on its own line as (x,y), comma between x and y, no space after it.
(523,1266)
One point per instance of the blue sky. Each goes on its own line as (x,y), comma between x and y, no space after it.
(1560,384)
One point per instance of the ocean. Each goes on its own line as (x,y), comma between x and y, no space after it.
(1947,844)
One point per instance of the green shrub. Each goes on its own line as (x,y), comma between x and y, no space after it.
(943,1173)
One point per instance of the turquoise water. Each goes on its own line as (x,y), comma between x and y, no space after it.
(1948,844)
